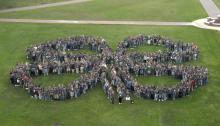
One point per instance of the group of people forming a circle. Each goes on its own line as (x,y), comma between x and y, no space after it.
(114,70)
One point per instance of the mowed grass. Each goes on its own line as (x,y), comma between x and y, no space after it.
(152,10)
(162,81)
(217,2)
(55,80)
(6,4)
(147,48)
(201,108)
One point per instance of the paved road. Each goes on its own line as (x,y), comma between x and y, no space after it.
(43,6)
(210,7)
(200,23)
(97,22)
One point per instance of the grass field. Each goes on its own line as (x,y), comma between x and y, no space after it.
(162,81)
(93,109)
(159,10)
(217,2)
(55,80)
(147,48)
(6,4)
(17,108)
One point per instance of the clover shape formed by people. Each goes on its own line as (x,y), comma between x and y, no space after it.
(114,70)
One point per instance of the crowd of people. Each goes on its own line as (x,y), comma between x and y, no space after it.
(57,57)
(168,62)
(114,70)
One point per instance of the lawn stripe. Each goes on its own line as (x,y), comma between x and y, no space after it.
(43,6)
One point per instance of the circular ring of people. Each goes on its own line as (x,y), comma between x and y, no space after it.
(114,70)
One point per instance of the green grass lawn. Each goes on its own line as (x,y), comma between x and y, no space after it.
(55,80)
(162,81)
(201,108)
(217,2)
(148,48)
(152,10)
(6,4)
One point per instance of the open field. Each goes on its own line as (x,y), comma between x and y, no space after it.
(93,109)
(6,4)
(152,10)
(17,108)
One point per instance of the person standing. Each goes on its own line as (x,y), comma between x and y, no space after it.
(120,99)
